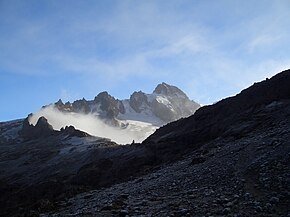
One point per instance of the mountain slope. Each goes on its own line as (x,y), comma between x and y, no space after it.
(247,176)
(39,163)
(215,120)
(231,158)
(137,117)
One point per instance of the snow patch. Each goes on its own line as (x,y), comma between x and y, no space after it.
(163,100)
(145,116)
(80,144)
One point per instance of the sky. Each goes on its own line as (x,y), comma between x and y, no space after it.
(70,49)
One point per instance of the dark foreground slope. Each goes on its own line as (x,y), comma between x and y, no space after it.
(227,176)
(231,158)
(220,119)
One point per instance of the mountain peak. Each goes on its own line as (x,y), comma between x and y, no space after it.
(59,102)
(103,94)
(43,123)
(141,113)
(41,128)
(166,89)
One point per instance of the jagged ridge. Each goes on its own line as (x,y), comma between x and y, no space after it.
(167,103)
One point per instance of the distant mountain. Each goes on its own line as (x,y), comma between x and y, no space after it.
(167,103)
(140,115)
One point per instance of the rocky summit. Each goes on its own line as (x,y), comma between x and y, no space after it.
(137,117)
(167,103)
(228,159)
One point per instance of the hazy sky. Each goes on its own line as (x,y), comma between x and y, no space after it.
(67,49)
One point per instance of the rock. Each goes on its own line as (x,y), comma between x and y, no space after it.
(123,213)
(198,160)
(107,207)
(229,204)
(258,209)
(41,129)
(168,108)
(236,196)
(81,106)
(125,196)
(87,196)
(183,211)
(71,131)
(137,99)
(109,107)
(274,200)
(191,196)
(226,211)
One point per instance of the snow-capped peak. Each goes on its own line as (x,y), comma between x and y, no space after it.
(142,113)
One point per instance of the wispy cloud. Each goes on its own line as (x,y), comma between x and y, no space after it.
(92,124)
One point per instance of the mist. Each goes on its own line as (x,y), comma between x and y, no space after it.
(91,124)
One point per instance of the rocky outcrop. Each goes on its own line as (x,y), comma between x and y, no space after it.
(108,104)
(72,132)
(137,99)
(164,111)
(81,106)
(67,107)
(59,104)
(41,129)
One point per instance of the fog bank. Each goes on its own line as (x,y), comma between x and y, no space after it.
(91,124)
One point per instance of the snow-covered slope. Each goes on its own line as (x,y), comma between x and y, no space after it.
(136,117)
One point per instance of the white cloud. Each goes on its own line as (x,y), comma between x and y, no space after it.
(88,123)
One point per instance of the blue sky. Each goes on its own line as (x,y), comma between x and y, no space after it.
(67,49)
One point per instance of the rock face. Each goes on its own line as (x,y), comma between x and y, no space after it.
(41,129)
(167,103)
(107,104)
(171,103)
(137,100)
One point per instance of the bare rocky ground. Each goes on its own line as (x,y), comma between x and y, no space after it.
(228,159)
(245,175)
